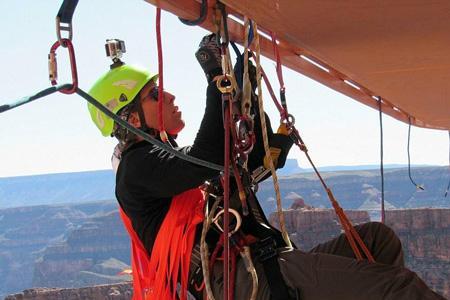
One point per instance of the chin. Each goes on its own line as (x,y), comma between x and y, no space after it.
(176,129)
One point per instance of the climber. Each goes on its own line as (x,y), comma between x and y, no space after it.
(162,206)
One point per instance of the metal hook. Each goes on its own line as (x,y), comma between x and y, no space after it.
(236,215)
(230,84)
(53,66)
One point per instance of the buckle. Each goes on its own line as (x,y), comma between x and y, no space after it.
(265,249)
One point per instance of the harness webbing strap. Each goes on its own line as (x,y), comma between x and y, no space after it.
(275,279)
(66,11)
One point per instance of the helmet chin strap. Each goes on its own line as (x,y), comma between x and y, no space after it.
(142,120)
(144,126)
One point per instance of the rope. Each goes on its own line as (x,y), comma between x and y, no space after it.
(201,18)
(118,120)
(448,186)
(146,136)
(162,131)
(246,103)
(226,196)
(418,187)
(204,252)
(266,142)
(279,71)
(383,213)
(38,95)
(246,255)
(350,232)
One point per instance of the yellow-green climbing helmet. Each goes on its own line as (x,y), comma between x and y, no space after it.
(115,90)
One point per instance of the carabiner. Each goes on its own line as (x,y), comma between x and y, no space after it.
(53,66)
(236,215)
(230,84)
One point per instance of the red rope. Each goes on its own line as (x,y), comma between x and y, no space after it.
(277,56)
(226,196)
(283,113)
(161,128)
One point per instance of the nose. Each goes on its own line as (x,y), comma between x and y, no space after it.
(169,97)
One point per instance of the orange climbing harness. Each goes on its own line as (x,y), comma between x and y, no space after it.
(158,276)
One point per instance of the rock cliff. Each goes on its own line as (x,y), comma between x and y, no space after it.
(26,231)
(425,235)
(311,226)
(120,291)
(94,253)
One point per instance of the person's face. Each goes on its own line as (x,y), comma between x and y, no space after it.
(173,123)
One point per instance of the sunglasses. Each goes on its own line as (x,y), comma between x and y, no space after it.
(154,93)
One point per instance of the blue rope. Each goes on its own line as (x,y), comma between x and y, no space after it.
(419,187)
(200,19)
(239,67)
(106,111)
(36,96)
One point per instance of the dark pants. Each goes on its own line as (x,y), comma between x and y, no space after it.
(330,271)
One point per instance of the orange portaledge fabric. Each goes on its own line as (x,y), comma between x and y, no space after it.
(156,277)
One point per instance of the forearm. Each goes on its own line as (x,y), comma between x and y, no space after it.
(209,141)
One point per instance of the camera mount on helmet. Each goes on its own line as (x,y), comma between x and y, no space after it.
(114,50)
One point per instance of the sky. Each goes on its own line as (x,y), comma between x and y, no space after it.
(55,134)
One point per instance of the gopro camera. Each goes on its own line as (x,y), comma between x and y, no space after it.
(114,50)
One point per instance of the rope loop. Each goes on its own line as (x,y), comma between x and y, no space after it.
(201,18)
(53,66)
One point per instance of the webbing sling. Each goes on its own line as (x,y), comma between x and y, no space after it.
(266,250)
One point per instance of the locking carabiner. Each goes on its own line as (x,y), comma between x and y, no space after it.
(53,66)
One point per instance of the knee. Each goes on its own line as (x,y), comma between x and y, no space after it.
(380,227)
(382,231)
